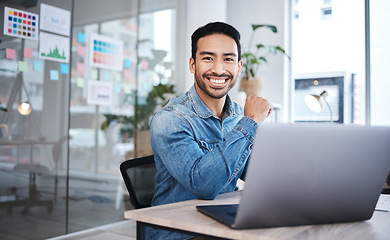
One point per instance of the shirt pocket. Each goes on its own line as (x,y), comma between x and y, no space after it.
(207,146)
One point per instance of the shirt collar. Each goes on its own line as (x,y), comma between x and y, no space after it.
(200,107)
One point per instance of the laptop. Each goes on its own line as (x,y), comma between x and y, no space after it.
(306,174)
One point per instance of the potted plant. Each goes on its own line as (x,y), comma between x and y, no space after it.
(251,84)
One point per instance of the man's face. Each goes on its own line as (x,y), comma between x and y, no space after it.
(216,67)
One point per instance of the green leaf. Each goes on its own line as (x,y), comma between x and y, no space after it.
(254,60)
(263,59)
(270,27)
(260,46)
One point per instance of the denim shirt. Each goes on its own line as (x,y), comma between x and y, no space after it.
(197,154)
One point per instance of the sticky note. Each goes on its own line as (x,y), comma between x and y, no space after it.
(144,65)
(28,52)
(54,75)
(106,76)
(117,88)
(127,62)
(38,66)
(22,66)
(81,37)
(94,74)
(80,67)
(80,82)
(10,53)
(64,68)
(80,50)
(126,73)
(117,77)
(127,89)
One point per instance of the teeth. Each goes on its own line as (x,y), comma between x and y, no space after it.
(217,80)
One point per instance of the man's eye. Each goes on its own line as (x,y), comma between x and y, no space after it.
(229,59)
(207,58)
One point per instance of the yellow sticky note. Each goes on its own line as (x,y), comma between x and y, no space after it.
(22,66)
(9,12)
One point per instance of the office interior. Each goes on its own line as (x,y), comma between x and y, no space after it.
(59,158)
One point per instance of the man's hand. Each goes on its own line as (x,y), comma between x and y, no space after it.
(257,108)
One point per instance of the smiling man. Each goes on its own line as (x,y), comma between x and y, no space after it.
(202,140)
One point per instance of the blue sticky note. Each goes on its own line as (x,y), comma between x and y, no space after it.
(106,76)
(81,37)
(117,88)
(38,66)
(127,62)
(64,68)
(54,75)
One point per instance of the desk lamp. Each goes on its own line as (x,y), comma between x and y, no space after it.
(24,108)
(314,103)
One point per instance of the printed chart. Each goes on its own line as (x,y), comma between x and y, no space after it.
(106,53)
(54,47)
(56,20)
(22,24)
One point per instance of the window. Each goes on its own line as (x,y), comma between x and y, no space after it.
(339,45)
(333,53)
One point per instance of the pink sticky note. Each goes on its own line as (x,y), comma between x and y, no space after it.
(80,50)
(10,53)
(28,52)
(126,73)
(80,67)
(144,65)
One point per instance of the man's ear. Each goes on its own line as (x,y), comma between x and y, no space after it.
(192,65)
(240,63)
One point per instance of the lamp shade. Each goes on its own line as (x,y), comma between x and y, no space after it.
(24,108)
(313,103)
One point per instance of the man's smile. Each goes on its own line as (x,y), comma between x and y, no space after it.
(217,81)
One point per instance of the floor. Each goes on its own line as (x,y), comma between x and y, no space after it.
(115,231)
(92,204)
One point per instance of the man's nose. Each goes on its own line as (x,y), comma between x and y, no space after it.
(218,68)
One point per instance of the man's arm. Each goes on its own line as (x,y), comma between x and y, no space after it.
(204,173)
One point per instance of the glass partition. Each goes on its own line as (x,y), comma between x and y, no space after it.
(34,97)
(59,164)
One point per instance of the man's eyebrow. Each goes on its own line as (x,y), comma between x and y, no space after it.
(206,53)
(213,54)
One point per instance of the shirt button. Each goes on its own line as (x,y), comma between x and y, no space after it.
(211,150)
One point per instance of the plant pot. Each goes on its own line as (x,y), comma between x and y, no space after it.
(144,146)
(253,86)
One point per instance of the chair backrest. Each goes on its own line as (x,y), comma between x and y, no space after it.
(138,175)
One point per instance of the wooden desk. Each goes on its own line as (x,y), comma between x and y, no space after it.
(183,216)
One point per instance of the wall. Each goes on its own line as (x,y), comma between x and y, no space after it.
(242,14)
(199,15)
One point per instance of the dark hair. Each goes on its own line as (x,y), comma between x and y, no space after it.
(213,28)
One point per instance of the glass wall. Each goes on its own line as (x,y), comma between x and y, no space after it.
(92,96)
(34,96)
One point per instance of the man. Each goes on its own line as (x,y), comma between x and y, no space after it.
(202,140)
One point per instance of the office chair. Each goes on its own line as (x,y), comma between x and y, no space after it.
(34,195)
(138,175)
